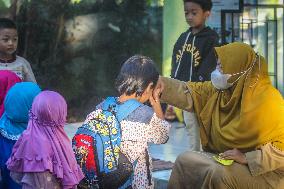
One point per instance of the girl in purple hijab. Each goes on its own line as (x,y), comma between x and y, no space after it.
(43,156)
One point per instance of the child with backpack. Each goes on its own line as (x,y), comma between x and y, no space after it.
(128,126)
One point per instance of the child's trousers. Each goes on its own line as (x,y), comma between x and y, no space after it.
(192,125)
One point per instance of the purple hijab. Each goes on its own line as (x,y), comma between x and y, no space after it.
(7,80)
(45,145)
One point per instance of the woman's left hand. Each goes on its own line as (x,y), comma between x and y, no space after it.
(235,155)
(158,89)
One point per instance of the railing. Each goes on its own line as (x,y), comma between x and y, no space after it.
(265,34)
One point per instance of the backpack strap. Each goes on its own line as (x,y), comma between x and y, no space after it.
(122,110)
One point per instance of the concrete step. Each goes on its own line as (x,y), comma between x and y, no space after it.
(161,179)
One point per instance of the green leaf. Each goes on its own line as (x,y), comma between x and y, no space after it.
(6,3)
(76,1)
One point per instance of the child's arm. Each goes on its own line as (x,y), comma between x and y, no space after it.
(28,72)
(174,63)
(158,130)
(158,127)
(156,105)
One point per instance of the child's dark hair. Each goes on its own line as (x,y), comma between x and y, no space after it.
(135,75)
(206,5)
(6,23)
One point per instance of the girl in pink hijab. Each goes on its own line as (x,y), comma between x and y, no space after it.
(7,80)
(43,156)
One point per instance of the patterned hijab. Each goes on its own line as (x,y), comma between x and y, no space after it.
(44,146)
(17,104)
(245,116)
(7,80)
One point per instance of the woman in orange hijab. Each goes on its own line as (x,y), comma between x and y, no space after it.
(241,118)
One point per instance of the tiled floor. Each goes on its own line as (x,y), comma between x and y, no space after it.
(178,143)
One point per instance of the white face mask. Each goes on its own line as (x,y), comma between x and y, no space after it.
(219,80)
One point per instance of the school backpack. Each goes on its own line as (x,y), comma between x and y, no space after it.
(97,146)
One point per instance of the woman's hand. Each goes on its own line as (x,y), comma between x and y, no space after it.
(158,90)
(235,155)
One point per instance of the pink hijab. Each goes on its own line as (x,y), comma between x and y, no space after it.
(44,146)
(7,80)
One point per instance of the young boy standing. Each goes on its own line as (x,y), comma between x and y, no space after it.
(8,46)
(193,56)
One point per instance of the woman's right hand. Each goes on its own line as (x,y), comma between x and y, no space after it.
(236,155)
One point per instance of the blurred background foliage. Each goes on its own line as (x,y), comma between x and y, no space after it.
(77,47)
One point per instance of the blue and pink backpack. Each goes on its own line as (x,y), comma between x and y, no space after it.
(97,146)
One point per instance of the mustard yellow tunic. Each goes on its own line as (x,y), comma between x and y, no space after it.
(197,170)
(248,116)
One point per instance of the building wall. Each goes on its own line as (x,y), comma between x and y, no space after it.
(173,25)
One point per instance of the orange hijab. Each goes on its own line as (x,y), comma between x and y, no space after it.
(245,116)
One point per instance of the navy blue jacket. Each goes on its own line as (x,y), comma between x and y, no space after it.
(198,51)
